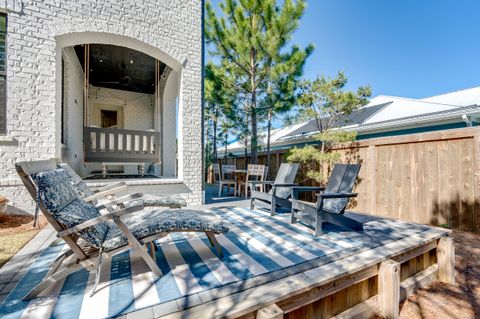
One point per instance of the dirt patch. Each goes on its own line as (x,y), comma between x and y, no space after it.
(459,301)
(15,232)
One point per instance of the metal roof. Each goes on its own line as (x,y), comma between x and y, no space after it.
(385,112)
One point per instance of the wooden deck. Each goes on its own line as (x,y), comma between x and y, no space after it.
(393,271)
(271,269)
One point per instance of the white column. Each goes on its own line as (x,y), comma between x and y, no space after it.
(169,129)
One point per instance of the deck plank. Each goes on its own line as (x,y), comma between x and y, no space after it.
(252,299)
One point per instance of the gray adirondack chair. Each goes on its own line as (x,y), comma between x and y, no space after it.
(279,194)
(331,202)
(92,235)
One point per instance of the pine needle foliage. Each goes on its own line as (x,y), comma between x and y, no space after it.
(250,41)
(327,102)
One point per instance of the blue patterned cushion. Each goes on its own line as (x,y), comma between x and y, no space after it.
(78,184)
(79,211)
(334,205)
(153,222)
(54,189)
(163,201)
(60,198)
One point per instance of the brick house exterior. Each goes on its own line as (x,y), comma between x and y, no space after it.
(38,31)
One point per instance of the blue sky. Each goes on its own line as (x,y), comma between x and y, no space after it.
(410,48)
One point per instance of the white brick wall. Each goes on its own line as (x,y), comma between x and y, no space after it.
(169,30)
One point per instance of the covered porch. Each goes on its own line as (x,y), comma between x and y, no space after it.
(119,113)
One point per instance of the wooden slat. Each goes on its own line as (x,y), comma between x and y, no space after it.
(308,297)
(476,185)
(415,252)
(371,168)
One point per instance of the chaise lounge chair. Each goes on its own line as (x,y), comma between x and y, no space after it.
(112,190)
(331,203)
(280,193)
(92,235)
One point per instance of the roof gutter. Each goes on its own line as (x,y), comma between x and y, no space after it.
(470,112)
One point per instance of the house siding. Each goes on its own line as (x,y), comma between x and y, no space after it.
(171,26)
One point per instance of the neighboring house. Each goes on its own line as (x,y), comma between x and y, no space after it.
(385,116)
(107,86)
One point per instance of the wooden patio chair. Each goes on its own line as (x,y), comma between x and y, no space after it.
(220,177)
(92,236)
(331,203)
(255,172)
(280,192)
(111,191)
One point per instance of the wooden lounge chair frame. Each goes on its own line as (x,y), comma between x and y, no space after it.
(340,185)
(81,255)
(285,178)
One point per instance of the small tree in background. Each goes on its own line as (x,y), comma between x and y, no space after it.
(327,102)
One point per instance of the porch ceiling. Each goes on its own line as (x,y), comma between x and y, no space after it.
(120,68)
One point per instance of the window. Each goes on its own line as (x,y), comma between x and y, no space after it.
(3,74)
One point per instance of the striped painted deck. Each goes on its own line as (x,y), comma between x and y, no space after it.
(258,249)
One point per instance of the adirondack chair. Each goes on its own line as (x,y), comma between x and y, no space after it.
(331,202)
(111,191)
(93,236)
(280,192)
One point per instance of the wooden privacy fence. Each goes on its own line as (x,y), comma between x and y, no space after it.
(429,178)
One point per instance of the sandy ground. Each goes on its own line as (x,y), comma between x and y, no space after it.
(460,301)
(15,232)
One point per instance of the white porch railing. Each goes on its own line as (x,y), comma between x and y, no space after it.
(119,145)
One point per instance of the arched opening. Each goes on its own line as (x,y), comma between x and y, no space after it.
(117,108)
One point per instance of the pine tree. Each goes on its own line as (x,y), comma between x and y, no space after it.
(215,101)
(250,42)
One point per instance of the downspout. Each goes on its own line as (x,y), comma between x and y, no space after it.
(467,120)
(202,125)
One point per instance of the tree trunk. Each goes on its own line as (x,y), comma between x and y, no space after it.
(246,157)
(254,142)
(253,108)
(215,157)
(226,144)
(208,149)
(269,129)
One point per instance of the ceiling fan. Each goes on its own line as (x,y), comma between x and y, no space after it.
(125,80)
